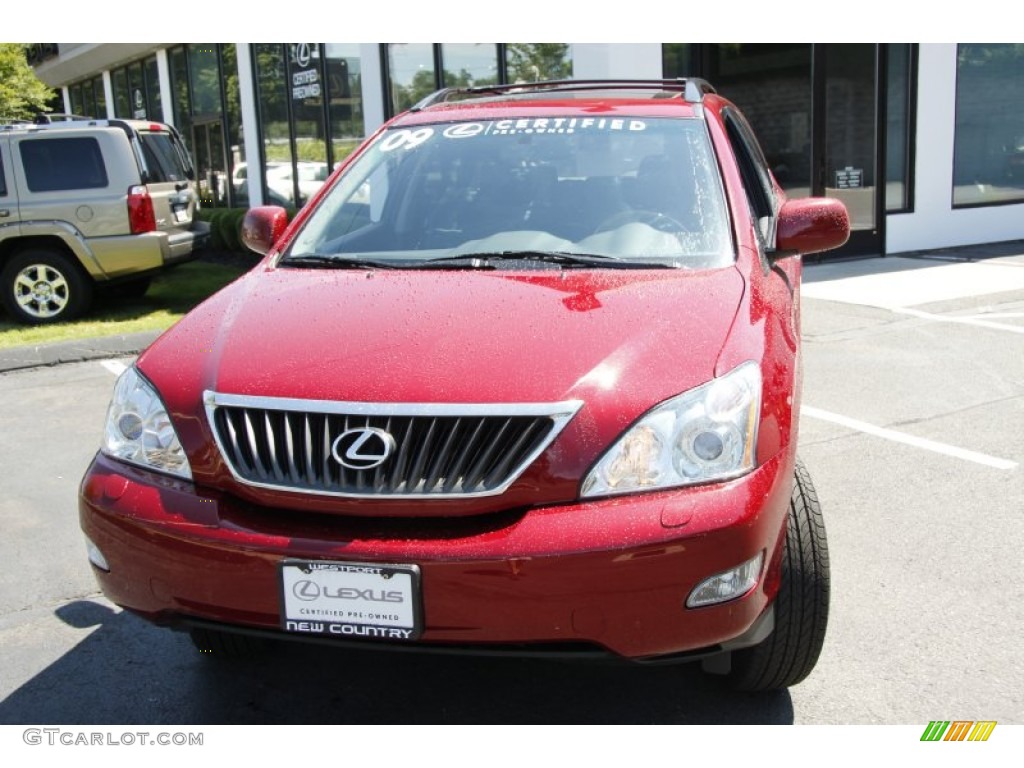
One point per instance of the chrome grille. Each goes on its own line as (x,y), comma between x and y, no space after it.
(439,450)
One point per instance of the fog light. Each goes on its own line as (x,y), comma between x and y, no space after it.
(96,557)
(727,585)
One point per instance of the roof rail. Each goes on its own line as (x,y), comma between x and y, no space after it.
(693,89)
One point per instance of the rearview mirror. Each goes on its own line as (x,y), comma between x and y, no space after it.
(262,227)
(810,225)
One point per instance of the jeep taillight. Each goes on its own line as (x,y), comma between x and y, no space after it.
(141,217)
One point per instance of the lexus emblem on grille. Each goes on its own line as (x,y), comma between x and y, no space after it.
(363,448)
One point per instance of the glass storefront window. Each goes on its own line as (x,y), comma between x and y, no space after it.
(205,75)
(676,60)
(306,80)
(151,76)
(988,150)
(136,91)
(233,109)
(122,99)
(182,104)
(411,73)
(771,84)
(469,64)
(273,95)
(344,98)
(76,99)
(898,141)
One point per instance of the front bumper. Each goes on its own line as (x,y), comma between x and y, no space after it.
(612,574)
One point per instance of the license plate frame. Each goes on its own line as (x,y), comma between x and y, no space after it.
(351,600)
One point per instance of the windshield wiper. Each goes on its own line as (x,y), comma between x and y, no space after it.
(562,258)
(329,261)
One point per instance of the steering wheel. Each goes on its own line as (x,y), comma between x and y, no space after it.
(659,221)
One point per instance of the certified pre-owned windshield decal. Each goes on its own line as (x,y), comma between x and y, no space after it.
(541,125)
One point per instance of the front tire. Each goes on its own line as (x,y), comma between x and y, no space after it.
(42,285)
(789,654)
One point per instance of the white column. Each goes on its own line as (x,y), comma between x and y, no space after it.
(250,123)
(163,69)
(373,86)
(66,95)
(108,93)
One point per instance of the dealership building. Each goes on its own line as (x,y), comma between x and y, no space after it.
(923,142)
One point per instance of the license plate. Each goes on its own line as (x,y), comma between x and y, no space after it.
(351,600)
(180,215)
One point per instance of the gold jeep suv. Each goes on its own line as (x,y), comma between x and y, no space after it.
(87,203)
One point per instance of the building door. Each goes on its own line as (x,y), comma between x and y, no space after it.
(210,162)
(816,111)
(847,94)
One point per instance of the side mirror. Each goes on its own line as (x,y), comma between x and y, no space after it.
(262,227)
(810,225)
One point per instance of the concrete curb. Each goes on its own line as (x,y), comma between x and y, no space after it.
(18,358)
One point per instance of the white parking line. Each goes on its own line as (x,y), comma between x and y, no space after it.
(116,367)
(901,437)
(972,320)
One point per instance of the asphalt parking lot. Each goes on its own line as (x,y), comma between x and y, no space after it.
(912,429)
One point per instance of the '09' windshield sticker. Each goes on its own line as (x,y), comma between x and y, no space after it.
(405,139)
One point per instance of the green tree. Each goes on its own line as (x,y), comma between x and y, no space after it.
(22,94)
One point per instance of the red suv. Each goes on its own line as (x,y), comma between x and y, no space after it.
(523,376)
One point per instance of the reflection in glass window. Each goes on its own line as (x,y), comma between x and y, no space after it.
(988,151)
(469,64)
(344,98)
(532,62)
(411,73)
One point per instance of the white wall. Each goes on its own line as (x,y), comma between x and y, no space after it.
(629,61)
(934,223)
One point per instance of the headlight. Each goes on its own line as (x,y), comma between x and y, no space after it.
(139,431)
(703,435)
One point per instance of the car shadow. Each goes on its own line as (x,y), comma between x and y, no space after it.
(127,671)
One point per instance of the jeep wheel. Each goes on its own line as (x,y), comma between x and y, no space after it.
(789,654)
(44,286)
(226,645)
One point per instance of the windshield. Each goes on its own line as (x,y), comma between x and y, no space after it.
(630,189)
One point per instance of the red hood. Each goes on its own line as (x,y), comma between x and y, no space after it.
(619,340)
